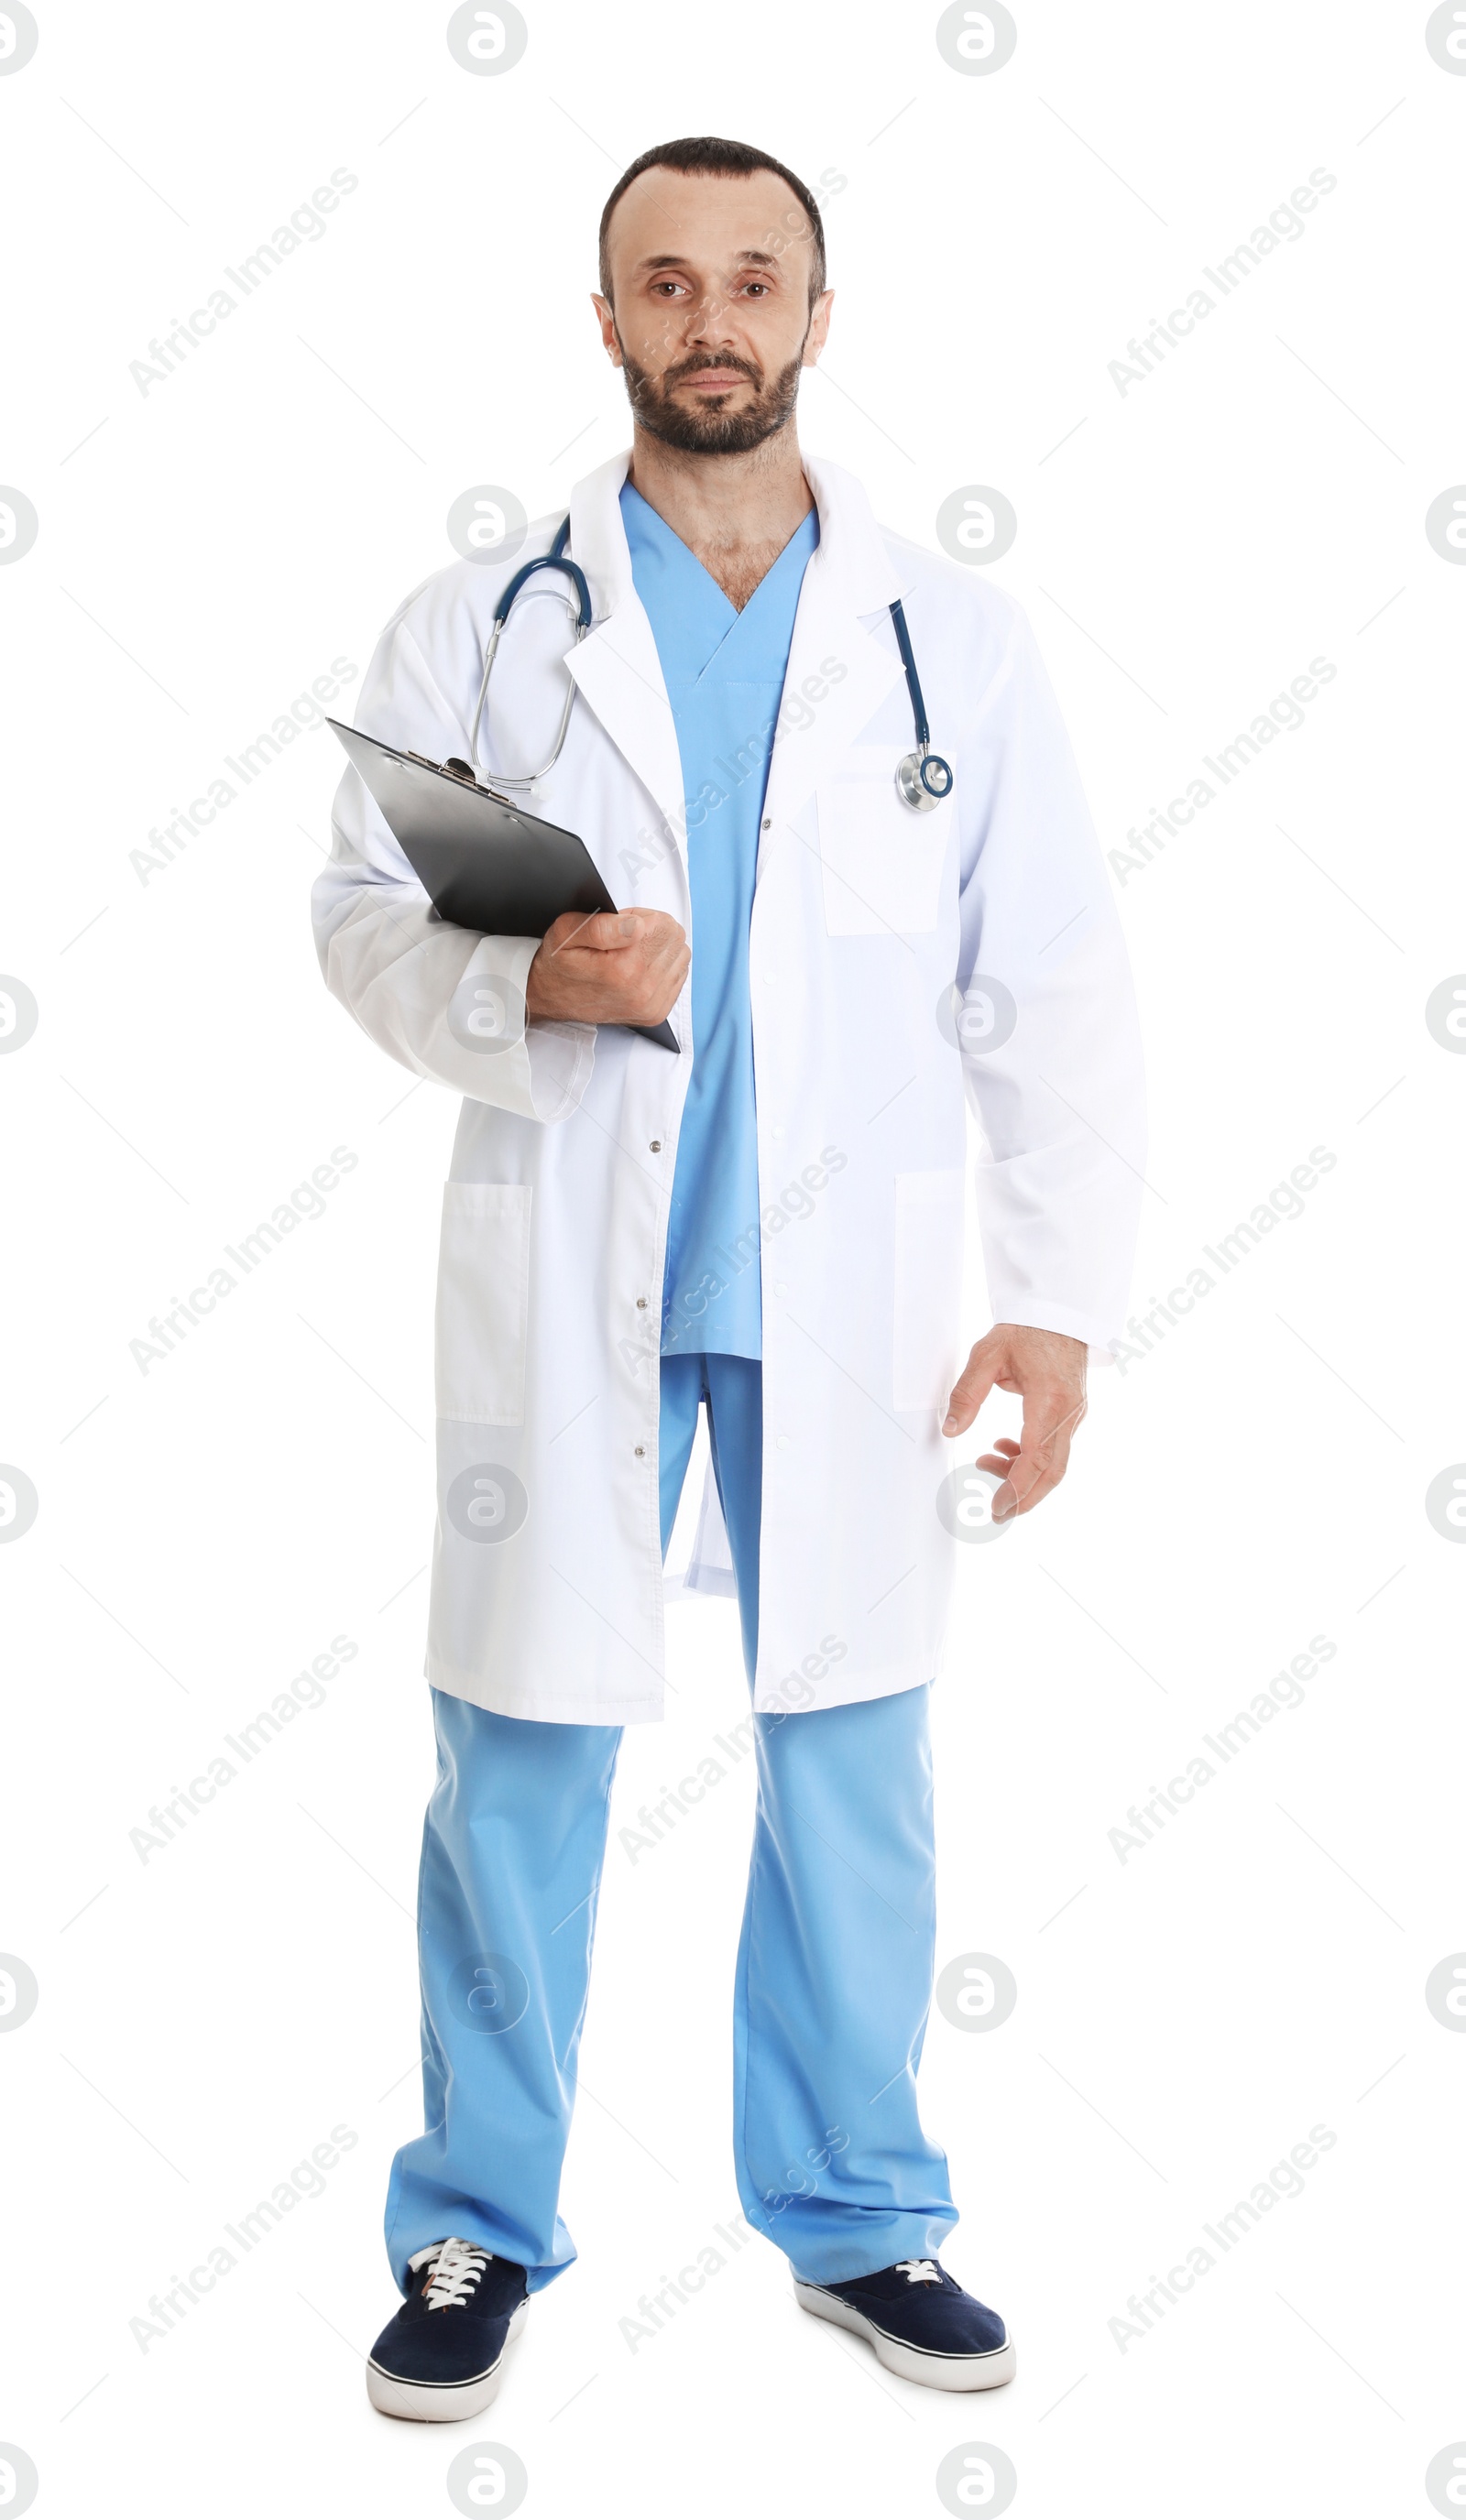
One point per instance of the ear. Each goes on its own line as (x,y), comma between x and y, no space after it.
(819,328)
(606,314)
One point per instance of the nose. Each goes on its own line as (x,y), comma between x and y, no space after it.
(708,320)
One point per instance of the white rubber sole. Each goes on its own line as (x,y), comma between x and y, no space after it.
(930,2370)
(417,2403)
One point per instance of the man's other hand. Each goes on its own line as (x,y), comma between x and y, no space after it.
(615,966)
(1048,1369)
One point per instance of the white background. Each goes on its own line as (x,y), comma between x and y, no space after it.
(206,1528)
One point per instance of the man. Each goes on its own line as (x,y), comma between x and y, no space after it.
(767,1225)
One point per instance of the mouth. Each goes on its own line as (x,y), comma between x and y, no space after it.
(716,380)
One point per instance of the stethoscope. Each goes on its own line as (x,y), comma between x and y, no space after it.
(922,778)
(554,558)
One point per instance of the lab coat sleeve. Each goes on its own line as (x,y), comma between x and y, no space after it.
(1047,1026)
(446,1002)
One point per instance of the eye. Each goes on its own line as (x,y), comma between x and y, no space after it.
(756,288)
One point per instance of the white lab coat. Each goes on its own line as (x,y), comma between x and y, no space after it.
(547,1580)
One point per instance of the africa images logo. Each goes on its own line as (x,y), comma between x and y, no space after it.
(19,523)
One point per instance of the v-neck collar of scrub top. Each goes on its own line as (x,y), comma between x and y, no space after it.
(711,629)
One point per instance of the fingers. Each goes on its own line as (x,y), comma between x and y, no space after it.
(595,932)
(567,930)
(657,928)
(610,966)
(1050,1414)
(970,1390)
(616,932)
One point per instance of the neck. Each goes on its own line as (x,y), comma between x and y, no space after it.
(726,503)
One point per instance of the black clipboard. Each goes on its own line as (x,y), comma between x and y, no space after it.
(484,862)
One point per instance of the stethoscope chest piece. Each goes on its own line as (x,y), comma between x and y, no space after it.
(923,780)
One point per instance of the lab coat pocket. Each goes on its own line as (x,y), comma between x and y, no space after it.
(880,860)
(483,1302)
(927,1289)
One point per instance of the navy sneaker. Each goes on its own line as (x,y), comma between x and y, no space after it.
(921,2324)
(439,2359)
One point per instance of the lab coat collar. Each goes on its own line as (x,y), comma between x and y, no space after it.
(598,536)
(617,670)
(616,665)
(852,552)
(851,546)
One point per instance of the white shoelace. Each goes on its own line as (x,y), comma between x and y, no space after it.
(456,2270)
(919,2269)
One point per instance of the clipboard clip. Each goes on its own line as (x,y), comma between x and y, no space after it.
(453,768)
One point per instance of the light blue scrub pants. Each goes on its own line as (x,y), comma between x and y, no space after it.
(834,1969)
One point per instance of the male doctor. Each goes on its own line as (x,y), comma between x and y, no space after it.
(767,1225)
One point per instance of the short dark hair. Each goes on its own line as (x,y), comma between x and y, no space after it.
(719,158)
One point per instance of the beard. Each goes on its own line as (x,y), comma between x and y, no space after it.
(709,427)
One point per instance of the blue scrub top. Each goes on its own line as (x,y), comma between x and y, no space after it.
(725,674)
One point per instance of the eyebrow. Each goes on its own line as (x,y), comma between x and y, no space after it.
(678,261)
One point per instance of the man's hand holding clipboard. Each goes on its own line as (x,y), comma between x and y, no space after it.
(623,966)
(488,865)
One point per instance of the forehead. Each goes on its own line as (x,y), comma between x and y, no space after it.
(706,220)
